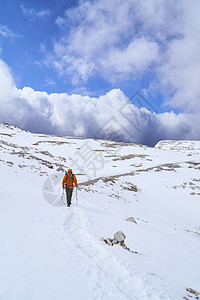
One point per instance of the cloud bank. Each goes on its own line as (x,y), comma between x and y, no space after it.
(110,116)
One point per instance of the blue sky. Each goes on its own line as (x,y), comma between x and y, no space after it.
(31,25)
(89,48)
(31,30)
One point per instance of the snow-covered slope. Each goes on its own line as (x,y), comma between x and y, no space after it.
(54,252)
(189,147)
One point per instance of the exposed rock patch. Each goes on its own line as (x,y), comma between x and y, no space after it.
(192,294)
(119,238)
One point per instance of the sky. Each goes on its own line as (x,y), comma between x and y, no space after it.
(125,70)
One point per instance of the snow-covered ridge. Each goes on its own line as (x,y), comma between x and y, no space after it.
(39,153)
(189,147)
(50,252)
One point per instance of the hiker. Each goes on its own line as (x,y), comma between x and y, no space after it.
(68,182)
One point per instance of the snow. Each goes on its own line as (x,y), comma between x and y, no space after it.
(50,252)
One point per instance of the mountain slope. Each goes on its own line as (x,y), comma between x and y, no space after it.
(51,251)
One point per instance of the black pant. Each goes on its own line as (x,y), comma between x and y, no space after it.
(69,195)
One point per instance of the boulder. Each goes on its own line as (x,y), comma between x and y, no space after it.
(119,236)
(131,219)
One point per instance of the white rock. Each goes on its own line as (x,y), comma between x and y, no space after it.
(119,236)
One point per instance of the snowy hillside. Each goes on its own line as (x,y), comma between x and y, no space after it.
(49,251)
(189,147)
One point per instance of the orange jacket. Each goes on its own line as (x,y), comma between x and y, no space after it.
(69,180)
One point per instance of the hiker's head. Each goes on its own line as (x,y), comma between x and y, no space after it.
(70,171)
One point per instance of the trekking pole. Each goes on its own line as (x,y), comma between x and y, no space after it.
(62,196)
(76,197)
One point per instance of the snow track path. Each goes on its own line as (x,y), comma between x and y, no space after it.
(108,276)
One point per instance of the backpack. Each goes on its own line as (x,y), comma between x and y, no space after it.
(67,176)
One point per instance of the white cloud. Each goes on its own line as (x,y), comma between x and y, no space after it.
(111,115)
(50,82)
(60,21)
(32,13)
(103,38)
(124,39)
(180,71)
(133,60)
(5,32)
(7,83)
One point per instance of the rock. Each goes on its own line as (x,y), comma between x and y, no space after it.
(131,219)
(115,242)
(109,242)
(192,291)
(49,166)
(60,169)
(119,236)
